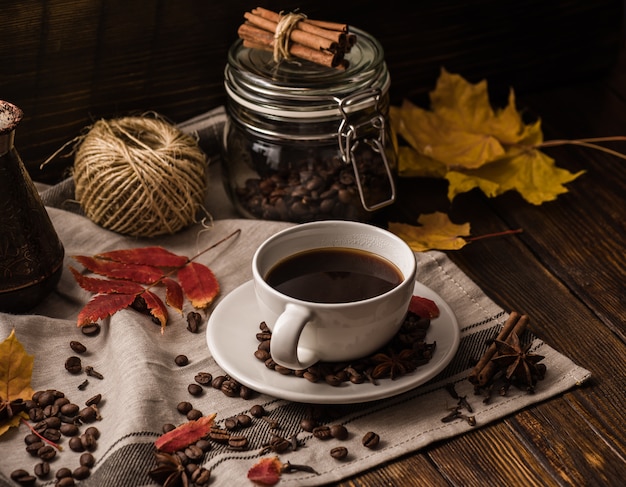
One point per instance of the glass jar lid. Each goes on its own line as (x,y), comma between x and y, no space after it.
(300,89)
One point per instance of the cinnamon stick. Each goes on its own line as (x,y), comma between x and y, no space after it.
(488,371)
(508,326)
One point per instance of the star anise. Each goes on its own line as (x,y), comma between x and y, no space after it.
(517,363)
(169,472)
(393,364)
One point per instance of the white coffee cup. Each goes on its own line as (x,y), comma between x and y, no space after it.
(305,332)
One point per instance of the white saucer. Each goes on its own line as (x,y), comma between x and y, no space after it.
(231,337)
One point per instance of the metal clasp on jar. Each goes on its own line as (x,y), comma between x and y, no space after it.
(363,122)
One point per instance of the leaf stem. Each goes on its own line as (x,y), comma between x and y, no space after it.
(236,232)
(52,443)
(496,234)
(588,142)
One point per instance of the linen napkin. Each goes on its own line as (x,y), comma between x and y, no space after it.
(142,385)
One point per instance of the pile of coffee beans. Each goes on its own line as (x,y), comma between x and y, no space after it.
(318,187)
(53,419)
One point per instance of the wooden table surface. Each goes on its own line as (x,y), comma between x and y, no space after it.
(567,271)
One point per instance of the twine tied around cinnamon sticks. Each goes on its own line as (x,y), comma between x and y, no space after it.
(294,35)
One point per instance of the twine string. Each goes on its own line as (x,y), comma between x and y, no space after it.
(139,176)
(283,31)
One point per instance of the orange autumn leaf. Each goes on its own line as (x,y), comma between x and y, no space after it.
(16,369)
(266,471)
(185,434)
(156,307)
(173,294)
(144,274)
(199,284)
(102,306)
(106,286)
(463,139)
(436,231)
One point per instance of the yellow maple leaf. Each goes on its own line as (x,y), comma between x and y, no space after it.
(436,231)
(463,139)
(16,368)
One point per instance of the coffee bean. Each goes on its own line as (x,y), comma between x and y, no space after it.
(322,432)
(167,427)
(52,434)
(339,431)
(257,411)
(69,429)
(88,441)
(203,378)
(93,431)
(194,389)
(230,388)
(70,409)
(339,452)
(47,452)
(244,420)
(230,423)
(181,360)
(47,398)
(87,460)
(31,438)
(308,424)
(219,435)
(76,444)
(184,407)
(217,382)
(262,355)
(245,392)
(201,476)
(91,329)
(238,442)
(78,347)
(194,320)
(73,365)
(51,410)
(278,444)
(370,440)
(36,414)
(42,469)
(194,414)
(194,452)
(81,473)
(65,482)
(63,472)
(88,414)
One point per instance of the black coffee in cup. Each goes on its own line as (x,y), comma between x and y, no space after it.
(334,275)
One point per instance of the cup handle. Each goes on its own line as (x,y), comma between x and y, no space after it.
(286,336)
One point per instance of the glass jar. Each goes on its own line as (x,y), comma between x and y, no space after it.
(304,142)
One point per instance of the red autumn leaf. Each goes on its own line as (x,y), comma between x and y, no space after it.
(185,434)
(424,307)
(199,284)
(173,294)
(152,256)
(156,307)
(266,471)
(106,286)
(102,306)
(119,270)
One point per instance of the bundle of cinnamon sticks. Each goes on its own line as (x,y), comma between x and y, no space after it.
(294,35)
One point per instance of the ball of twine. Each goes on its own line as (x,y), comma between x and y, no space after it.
(139,176)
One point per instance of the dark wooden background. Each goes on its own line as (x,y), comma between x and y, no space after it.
(67,63)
